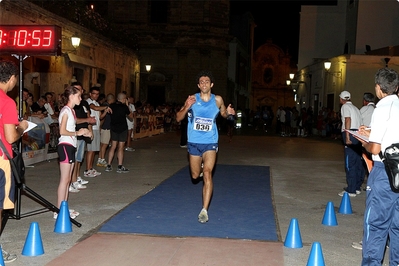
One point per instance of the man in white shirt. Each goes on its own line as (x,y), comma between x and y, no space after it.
(351,119)
(368,108)
(94,146)
(130,125)
(382,213)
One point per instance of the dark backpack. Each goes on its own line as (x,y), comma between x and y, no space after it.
(390,158)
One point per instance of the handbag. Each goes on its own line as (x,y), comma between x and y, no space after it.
(390,158)
(17,162)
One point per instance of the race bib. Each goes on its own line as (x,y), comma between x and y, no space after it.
(203,124)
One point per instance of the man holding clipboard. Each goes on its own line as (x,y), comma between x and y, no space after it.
(351,121)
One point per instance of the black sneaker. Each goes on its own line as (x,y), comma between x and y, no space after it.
(122,170)
(108,168)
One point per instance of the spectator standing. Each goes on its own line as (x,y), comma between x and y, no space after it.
(265,118)
(130,125)
(309,121)
(94,145)
(119,112)
(368,108)
(11,131)
(288,117)
(202,109)
(366,112)
(381,216)
(66,148)
(282,121)
(351,119)
(83,120)
(105,134)
(303,116)
(294,121)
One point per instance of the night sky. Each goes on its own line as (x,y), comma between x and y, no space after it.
(276,20)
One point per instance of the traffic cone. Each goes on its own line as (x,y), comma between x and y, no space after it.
(345,207)
(63,223)
(293,238)
(329,215)
(33,244)
(1,257)
(316,255)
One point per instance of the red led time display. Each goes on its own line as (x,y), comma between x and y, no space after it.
(30,39)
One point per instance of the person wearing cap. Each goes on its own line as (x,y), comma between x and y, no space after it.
(351,120)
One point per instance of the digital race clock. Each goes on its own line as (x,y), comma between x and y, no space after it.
(30,39)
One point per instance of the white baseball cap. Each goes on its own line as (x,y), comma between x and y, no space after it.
(345,95)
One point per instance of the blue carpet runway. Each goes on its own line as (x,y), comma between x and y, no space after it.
(241,207)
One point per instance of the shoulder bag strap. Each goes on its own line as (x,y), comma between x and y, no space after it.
(12,163)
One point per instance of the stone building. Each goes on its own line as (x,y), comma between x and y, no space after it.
(96,60)
(178,39)
(270,72)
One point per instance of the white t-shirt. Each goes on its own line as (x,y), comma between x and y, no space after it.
(94,113)
(349,110)
(130,124)
(70,125)
(282,116)
(384,123)
(49,109)
(366,112)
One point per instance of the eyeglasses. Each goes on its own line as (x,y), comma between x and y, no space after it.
(204,82)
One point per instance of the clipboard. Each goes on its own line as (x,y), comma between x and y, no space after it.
(356,133)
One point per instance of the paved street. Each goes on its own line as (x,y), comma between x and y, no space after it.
(306,174)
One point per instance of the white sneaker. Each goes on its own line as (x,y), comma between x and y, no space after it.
(89,173)
(341,194)
(73,189)
(358,192)
(101,162)
(357,245)
(95,172)
(203,216)
(72,213)
(82,181)
(78,185)
(7,257)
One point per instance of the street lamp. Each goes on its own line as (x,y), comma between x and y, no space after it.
(327,66)
(75,41)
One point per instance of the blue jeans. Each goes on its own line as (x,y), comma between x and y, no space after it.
(354,166)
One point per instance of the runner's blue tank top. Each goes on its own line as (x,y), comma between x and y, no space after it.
(202,128)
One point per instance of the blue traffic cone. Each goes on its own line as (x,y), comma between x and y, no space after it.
(63,223)
(1,257)
(345,207)
(293,238)
(329,215)
(33,243)
(316,255)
